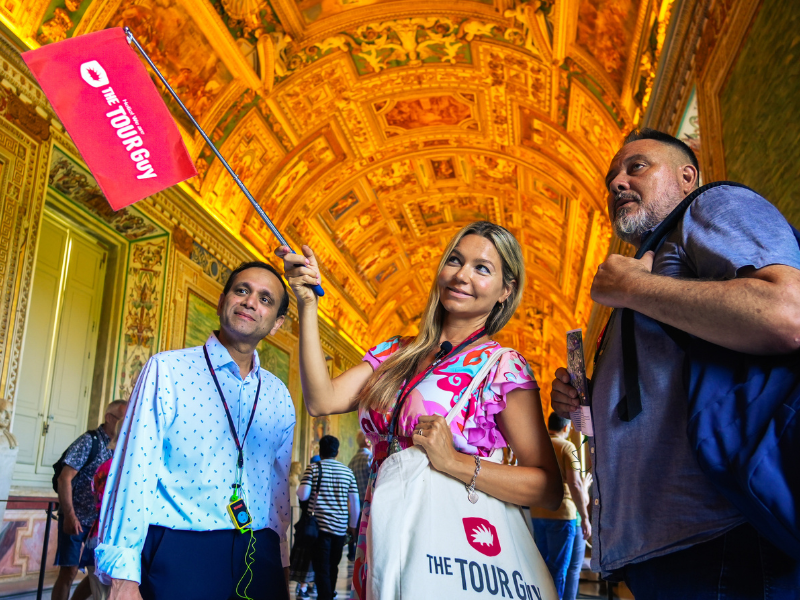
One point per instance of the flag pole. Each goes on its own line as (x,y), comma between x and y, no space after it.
(131,39)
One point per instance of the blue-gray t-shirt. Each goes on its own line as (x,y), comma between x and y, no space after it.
(650,496)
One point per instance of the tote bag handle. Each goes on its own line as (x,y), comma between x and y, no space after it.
(476,381)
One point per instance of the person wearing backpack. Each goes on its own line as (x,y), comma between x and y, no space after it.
(336,508)
(717,265)
(72,480)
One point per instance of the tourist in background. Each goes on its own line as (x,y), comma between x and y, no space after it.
(336,508)
(77,507)
(361,466)
(578,545)
(97,589)
(555,532)
(301,570)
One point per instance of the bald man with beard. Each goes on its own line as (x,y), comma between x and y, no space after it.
(728,274)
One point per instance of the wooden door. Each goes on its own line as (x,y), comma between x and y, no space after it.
(59,350)
(37,353)
(76,343)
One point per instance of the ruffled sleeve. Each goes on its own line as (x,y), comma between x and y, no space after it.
(511,372)
(377,354)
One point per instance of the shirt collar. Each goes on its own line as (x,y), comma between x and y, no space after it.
(648,233)
(221,358)
(103,435)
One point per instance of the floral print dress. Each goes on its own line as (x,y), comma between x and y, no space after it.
(475,430)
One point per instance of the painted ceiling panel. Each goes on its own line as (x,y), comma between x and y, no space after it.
(607,29)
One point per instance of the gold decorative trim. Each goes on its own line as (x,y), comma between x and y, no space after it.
(211,25)
(712,81)
(23,200)
(96,16)
(390,11)
(629,81)
(675,77)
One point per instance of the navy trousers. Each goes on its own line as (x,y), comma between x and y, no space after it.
(326,557)
(208,565)
(738,565)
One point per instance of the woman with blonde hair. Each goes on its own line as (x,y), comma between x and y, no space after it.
(405,386)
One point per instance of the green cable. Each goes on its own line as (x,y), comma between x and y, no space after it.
(249,555)
(249,559)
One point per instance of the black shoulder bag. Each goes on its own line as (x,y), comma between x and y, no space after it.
(307,527)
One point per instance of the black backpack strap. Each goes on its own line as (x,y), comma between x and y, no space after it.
(95,448)
(316,491)
(631,404)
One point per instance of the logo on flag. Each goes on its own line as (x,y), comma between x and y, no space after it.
(113,113)
(94,74)
(482,536)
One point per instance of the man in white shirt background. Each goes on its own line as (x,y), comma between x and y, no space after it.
(207,427)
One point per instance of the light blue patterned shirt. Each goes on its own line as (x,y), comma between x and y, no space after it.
(176,457)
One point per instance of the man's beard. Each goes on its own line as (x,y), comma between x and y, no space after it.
(631,223)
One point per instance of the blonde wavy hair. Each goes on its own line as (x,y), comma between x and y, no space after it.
(381,388)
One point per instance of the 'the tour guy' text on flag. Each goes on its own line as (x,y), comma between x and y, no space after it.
(113,112)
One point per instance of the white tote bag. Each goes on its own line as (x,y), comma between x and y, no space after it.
(425,539)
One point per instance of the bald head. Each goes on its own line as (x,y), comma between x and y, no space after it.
(117,408)
(115,413)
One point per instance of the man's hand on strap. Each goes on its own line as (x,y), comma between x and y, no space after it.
(620,276)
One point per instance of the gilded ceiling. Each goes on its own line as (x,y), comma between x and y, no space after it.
(373,130)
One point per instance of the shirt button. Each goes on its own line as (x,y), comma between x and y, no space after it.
(592,450)
(596,502)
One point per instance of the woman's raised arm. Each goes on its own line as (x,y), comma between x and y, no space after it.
(321,394)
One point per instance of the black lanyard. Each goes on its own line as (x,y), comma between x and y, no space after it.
(410,384)
(239,446)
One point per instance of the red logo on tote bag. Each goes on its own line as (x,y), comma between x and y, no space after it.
(482,536)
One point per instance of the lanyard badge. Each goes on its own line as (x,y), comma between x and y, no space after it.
(237,508)
(239,514)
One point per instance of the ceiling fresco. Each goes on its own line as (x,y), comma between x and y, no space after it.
(374,130)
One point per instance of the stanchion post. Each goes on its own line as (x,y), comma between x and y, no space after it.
(43,565)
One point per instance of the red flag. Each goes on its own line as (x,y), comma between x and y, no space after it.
(113,112)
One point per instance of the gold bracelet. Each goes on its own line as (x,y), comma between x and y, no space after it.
(471,493)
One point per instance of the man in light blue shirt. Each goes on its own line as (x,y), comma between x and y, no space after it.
(729,274)
(207,427)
